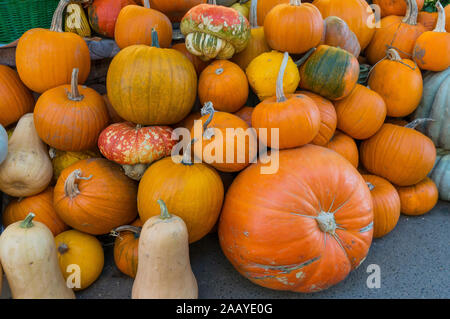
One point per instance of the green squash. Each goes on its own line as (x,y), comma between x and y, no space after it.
(3,143)
(441,174)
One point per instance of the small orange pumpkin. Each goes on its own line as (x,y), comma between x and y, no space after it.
(395,7)
(245,113)
(126,247)
(418,199)
(428,19)
(345,146)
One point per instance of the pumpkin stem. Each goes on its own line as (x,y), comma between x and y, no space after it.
(326,222)
(58,16)
(393,55)
(280,93)
(440,24)
(62,249)
(213,2)
(418,122)
(370,185)
(28,221)
(412,12)
(254,14)
(155,40)
(74,94)
(164,212)
(70,187)
(305,57)
(135,230)
(147,4)
(295,2)
(186,159)
(208,108)
(52,153)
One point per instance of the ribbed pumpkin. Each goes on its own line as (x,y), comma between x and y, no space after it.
(304,228)
(262,75)
(336,33)
(135,23)
(400,154)
(428,19)
(256,45)
(296,117)
(396,32)
(42,67)
(62,159)
(41,205)
(395,7)
(330,72)
(76,20)
(95,196)
(103,15)
(293,27)
(213,142)
(151,86)
(245,113)
(193,191)
(345,146)
(16,98)
(361,113)
(386,205)
(174,9)
(328,118)
(432,47)
(441,173)
(356,13)
(198,63)
(70,117)
(418,199)
(399,82)
(126,247)
(224,84)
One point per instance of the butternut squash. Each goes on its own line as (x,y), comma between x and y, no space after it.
(164,269)
(28,256)
(27,169)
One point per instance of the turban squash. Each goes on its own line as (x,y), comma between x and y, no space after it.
(304,228)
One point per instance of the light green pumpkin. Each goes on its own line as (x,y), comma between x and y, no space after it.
(435,104)
(441,174)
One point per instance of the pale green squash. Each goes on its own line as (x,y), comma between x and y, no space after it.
(441,174)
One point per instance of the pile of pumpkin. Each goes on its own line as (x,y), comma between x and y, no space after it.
(78,164)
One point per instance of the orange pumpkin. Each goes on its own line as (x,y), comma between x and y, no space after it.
(396,32)
(356,13)
(174,9)
(103,15)
(78,115)
(303,228)
(256,45)
(395,7)
(198,63)
(245,113)
(428,19)
(126,247)
(95,196)
(224,84)
(16,98)
(345,146)
(262,8)
(447,17)
(430,46)
(399,82)
(386,205)
(113,116)
(336,33)
(42,67)
(400,154)
(188,121)
(293,27)
(41,205)
(135,23)
(328,118)
(418,199)
(360,114)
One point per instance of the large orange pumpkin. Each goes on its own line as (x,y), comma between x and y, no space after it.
(345,146)
(400,154)
(94,196)
(395,7)
(356,13)
(16,98)
(293,27)
(418,199)
(45,58)
(386,205)
(151,86)
(41,205)
(303,228)
(126,247)
(71,117)
(361,113)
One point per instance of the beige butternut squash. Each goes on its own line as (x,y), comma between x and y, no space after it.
(29,259)
(164,269)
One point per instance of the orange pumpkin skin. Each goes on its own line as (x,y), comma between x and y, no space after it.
(400,84)
(188,121)
(256,45)
(175,9)
(386,205)
(293,27)
(328,118)
(16,98)
(361,113)
(103,199)
(336,33)
(418,199)
(135,23)
(103,15)
(297,118)
(427,19)
(396,7)
(198,63)
(245,113)
(401,155)
(396,121)
(75,124)
(345,146)
(254,230)
(225,85)
(113,116)
(355,12)
(126,250)
(263,8)
(447,17)
(41,205)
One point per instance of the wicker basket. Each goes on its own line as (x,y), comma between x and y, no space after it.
(18,16)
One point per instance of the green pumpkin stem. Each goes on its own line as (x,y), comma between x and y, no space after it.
(28,221)
(62,249)
(279,90)
(147,4)
(155,40)
(164,212)
(440,24)
(305,57)
(135,230)
(253,14)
